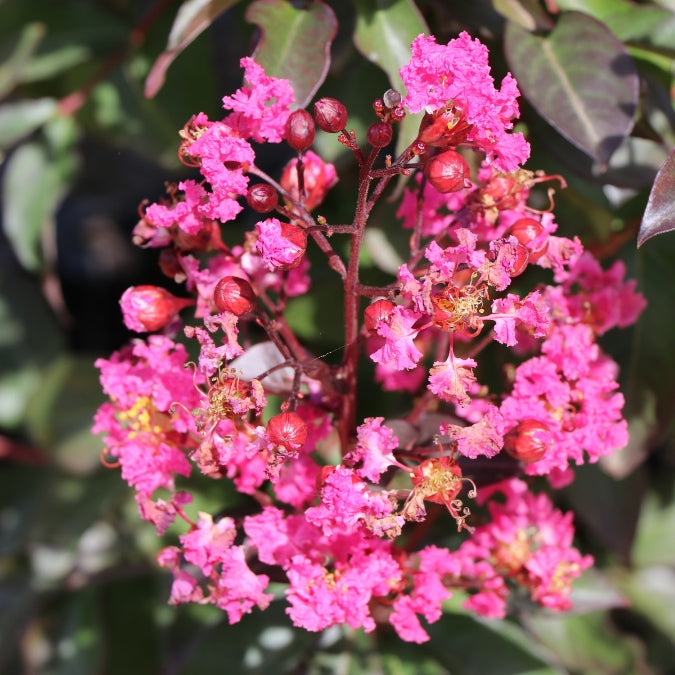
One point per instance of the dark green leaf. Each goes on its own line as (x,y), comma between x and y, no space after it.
(660,213)
(654,541)
(194,17)
(295,43)
(580,79)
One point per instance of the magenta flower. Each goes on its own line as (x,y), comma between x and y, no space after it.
(458,73)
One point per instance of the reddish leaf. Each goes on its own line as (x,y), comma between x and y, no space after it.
(295,43)
(580,79)
(193,18)
(660,213)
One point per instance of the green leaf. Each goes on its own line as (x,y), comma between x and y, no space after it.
(194,17)
(20,118)
(13,68)
(660,213)
(655,537)
(527,13)
(383,34)
(295,43)
(36,177)
(584,644)
(580,79)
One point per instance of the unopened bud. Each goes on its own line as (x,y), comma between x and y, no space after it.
(146,309)
(448,172)
(287,429)
(300,130)
(391,98)
(529,441)
(235,295)
(528,232)
(330,115)
(262,197)
(375,312)
(379,134)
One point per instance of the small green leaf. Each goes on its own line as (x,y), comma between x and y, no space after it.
(527,13)
(20,118)
(295,43)
(660,213)
(193,18)
(580,79)
(654,540)
(13,68)
(36,178)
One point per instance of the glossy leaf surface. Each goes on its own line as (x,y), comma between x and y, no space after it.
(580,79)
(660,214)
(295,43)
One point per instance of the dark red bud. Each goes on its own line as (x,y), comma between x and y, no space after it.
(378,105)
(529,441)
(235,295)
(448,172)
(330,115)
(262,197)
(398,113)
(379,134)
(287,429)
(526,230)
(300,130)
(376,311)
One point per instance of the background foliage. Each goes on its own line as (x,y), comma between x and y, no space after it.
(81,145)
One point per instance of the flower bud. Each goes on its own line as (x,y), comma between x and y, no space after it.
(287,429)
(391,98)
(528,232)
(529,441)
(281,245)
(262,197)
(235,295)
(319,177)
(300,130)
(330,115)
(146,309)
(521,256)
(448,172)
(444,127)
(377,311)
(379,134)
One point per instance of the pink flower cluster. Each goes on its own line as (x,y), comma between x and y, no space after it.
(339,498)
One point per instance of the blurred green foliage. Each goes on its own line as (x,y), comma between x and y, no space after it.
(81,145)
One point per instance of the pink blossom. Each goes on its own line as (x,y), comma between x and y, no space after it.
(276,249)
(451,379)
(485,437)
(161,512)
(184,214)
(459,73)
(237,589)
(399,350)
(261,106)
(530,314)
(391,379)
(206,545)
(373,449)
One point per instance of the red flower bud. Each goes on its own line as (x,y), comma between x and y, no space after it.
(529,441)
(444,127)
(376,311)
(287,429)
(262,197)
(448,172)
(148,308)
(300,130)
(330,115)
(235,295)
(526,230)
(520,260)
(379,134)
(319,177)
